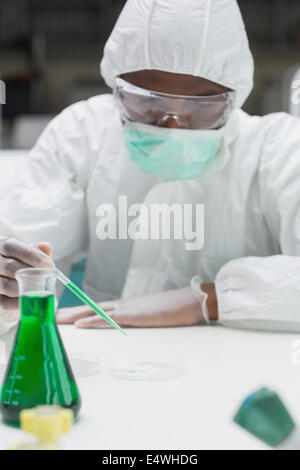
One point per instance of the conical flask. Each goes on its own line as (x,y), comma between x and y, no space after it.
(38,371)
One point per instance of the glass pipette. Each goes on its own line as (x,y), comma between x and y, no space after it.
(87,300)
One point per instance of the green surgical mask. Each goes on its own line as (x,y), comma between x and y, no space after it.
(172,154)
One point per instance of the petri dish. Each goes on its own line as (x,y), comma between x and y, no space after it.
(84,365)
(145,366)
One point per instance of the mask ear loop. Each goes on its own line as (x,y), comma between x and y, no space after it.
(196,282)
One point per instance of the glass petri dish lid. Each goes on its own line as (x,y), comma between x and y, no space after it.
(149,366)
(84,365)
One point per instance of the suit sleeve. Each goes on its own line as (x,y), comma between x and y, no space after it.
(264,292)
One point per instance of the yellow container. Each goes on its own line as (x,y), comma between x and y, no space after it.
(47,423)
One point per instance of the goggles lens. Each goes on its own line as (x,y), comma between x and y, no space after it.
(190,112)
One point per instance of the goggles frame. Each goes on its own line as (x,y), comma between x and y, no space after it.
(138,104)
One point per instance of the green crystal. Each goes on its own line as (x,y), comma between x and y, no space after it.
(264,415)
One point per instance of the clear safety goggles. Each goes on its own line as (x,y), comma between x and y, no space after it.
(190,112)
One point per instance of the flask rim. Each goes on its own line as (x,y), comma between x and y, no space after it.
(37,272)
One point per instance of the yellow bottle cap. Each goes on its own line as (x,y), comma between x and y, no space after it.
(47,422)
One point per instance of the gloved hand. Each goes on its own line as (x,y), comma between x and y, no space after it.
(170,308)
(16,255)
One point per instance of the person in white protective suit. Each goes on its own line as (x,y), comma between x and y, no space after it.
(172,133)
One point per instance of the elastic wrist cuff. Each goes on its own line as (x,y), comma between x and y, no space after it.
(201,296)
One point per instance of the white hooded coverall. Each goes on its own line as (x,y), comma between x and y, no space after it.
(252,217)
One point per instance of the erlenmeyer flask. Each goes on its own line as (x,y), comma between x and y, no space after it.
(38,371)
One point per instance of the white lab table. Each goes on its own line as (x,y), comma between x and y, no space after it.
(193,411)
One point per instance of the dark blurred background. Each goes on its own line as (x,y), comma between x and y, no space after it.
(50,52)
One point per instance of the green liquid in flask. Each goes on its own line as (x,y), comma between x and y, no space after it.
(38,372)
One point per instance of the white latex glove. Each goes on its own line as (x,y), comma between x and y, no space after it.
(179,307)
(16,255)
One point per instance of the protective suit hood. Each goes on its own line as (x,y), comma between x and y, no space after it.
(204,38)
